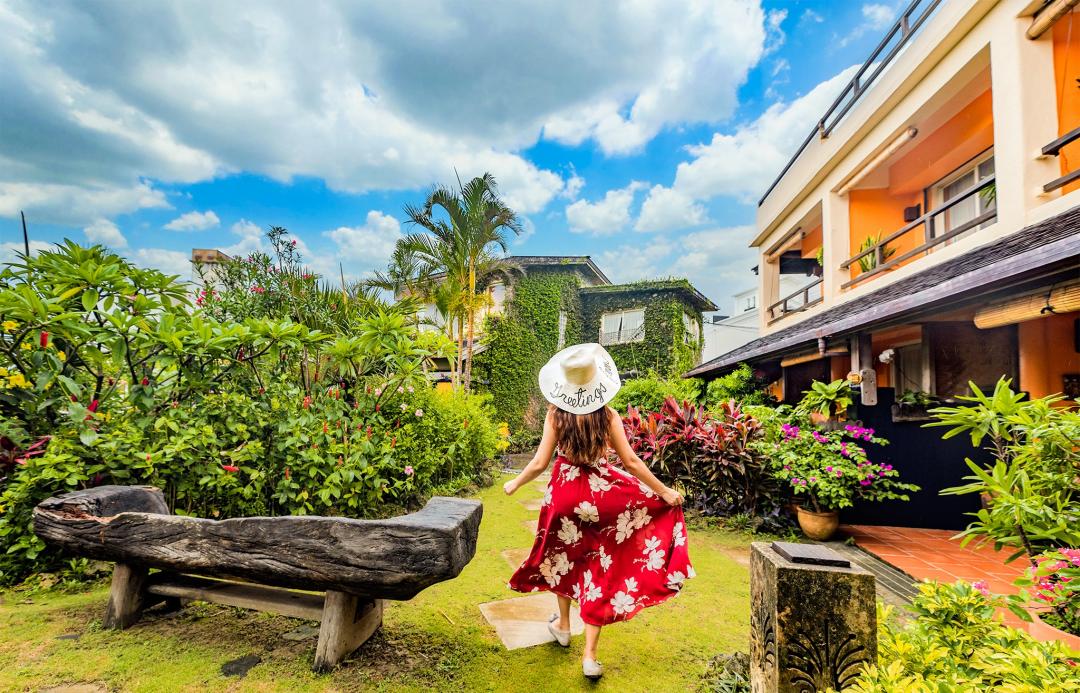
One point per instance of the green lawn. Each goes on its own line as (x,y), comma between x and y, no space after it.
(438,641)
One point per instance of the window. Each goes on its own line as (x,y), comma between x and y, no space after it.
(971,207)
(497,292)
(622,327)
(751,302)
(908,369)
(562,330)
(692,332)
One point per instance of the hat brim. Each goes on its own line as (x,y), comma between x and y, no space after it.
(580,398)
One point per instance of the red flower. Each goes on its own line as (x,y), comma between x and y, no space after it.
(288,474)
(175,404)
(93,407)
(44,339)
(393,441)
(145,381)
(262,390)
(340,461)
(377,407)
(74,398)
(307,402)
(465,423)
(230,468)
(325,428)
(147,457)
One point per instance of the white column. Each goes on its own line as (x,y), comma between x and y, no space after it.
(835,236)
(1025,119)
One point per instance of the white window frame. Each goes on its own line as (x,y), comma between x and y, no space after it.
(623,335)
(692,330)
(937,196)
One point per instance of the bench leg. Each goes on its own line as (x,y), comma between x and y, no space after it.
(347,622)
(127,597)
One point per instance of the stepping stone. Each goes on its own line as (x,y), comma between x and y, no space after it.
(69,636)
(515,557)
(531,525)
(240,667)
(77,688)
(522,622)
(533,504)
(301,633)
(740,556)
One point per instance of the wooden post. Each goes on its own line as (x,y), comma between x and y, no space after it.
(127,597)
(347,622)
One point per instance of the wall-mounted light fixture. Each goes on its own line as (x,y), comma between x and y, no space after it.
(894,146)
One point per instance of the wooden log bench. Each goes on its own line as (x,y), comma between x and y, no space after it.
(336,570)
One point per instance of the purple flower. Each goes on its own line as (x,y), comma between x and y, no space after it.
(864,482)
(787,467)
(790,431)
(813,479)
(887,467)
(843,449)
(820,438)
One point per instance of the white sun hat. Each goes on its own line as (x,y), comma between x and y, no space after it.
(580,379)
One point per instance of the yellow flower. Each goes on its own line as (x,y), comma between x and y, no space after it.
(61,355)
(17,380)
(3,372)
(10,325)
(26,346)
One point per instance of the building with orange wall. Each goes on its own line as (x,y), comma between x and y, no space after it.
(934,215)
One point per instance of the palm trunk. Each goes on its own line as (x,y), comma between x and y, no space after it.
(460,351)
(472,323)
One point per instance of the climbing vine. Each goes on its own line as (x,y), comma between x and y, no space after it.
(522,339)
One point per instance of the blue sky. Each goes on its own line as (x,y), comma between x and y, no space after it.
(641,135)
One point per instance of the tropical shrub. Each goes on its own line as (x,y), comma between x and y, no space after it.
(831,470)
(709,454)
(955,643)
(649,393)
(1052,586)
(1032,488)
(740,385)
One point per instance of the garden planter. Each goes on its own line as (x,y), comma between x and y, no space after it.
(902,411)
(1040,630)
(817,526)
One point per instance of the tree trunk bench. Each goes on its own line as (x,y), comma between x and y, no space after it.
(332,569)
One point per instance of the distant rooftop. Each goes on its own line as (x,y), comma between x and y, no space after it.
(208,255)
(682,286)
(561,260)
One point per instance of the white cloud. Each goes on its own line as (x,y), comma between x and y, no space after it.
(878,16)
(573,186)
(810,16)
(603,217)
(667,209)
(12,252)
(718,261)
(168,261)
(194,221)
(105,232)
(367,247)
(100,99)
(528,228)
(250,239)
(636,260)
(742,164)
(774,32)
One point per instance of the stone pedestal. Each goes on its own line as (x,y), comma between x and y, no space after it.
(813,621)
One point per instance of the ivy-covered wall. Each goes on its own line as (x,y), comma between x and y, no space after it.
(523,338)
(664,349)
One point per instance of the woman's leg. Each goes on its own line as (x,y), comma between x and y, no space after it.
(564,613)
(592,637)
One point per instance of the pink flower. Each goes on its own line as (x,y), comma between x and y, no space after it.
(865,482)
(230,468)
(419,413)
(408,470)
(982,587)
(93,407)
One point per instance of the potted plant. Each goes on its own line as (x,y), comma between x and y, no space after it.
(827,471)
(1050,592)
(824,401)
(912,405)
(869,262)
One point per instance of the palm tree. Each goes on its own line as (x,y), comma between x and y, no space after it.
(460,246)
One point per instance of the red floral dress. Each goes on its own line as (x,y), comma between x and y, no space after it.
(605,540)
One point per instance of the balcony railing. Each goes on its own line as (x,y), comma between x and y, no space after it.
(797,301)
(623,336)
(902,31)
(931,239)
(1054,149)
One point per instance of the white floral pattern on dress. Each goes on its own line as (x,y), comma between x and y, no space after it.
(605,559)
(590,591)
(646,490)
(599,484)
(622,603)
(569,534)
(587,512)
(629,521)
(547,496)
(570,472)
(676,579)
(554,566)
(654,555)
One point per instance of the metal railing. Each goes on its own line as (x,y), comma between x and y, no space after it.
(879,249)
(1054,149)
(622,336)
(904,28)
(785,304)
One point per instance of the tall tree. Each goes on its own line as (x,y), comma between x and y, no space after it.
(465,227)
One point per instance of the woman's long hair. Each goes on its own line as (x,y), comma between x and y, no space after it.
(582,438)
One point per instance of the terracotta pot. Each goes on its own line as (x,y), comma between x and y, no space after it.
(817,526)
(1040,630)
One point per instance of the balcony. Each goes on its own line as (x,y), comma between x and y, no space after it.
(797,301)
(623,336)
(1068,177)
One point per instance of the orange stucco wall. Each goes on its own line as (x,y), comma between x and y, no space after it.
(1066,36)
(880,211)
(811,242)
(1047,352)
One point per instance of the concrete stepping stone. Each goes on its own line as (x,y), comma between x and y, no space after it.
(301,633)
(533,504)
(522,621)
(240,667)
(515,557)
(77,688)
(531,525)
(739,555)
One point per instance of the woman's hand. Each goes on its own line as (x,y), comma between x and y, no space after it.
(510,486)
(672,497)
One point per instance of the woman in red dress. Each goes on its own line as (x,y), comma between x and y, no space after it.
(612,539)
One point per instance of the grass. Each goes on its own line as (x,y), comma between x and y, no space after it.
(438,641)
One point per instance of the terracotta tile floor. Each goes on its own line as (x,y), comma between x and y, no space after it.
(931,554)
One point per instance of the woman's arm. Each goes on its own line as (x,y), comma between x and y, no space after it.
(538,463)
(633,463)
